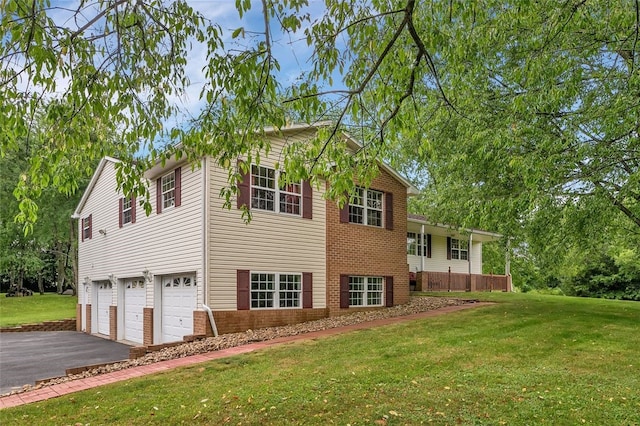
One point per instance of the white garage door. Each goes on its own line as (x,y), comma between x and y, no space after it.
(104,289)
(134,301)
(178,304)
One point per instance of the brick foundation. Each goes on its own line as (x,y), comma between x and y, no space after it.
(354,249)
(78,317)
(147,326)
(237,321)
(113,322)
(201,324)
(88,321)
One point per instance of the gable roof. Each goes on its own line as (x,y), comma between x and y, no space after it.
(92,184)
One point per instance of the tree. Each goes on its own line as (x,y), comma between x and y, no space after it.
(510,105)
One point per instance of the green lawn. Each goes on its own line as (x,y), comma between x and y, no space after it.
(36,308)
(530,359)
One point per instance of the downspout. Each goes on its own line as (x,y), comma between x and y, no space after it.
(205,245)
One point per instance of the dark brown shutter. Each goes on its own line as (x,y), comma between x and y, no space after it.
(307,290)
(243,293)
(449,248)
(307,200)
(344,212)
(178,186)
(344,291)
(388,291)
(91,226)
(159,195)
(428,245)
(388,212)
(244,190)
(133,209)
(82,228)
(120,210)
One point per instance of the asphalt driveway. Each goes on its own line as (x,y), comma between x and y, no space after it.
(27,357)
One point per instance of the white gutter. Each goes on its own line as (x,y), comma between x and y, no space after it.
(205,246)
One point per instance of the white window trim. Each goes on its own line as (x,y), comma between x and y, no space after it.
(277,192)
(126,209)
(276,291)
(413,245)
(365,207)
(365,298)
(166,192)
(456,253)
(86,228)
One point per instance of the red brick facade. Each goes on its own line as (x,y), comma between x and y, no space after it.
(354,249)
(88,315)
(236,321)
(113,322)
(147,326)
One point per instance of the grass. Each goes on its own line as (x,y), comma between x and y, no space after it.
(530,359)
(36,308)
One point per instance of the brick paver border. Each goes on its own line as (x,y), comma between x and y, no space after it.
(54,391)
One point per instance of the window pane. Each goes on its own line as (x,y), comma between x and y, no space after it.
(374,217)
(356,214)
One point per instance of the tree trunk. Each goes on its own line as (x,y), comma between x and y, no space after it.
(40,284)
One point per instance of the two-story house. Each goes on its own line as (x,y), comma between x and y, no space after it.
(193,266)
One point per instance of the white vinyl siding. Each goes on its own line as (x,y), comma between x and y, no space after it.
(166,243)
(270,242)
(438,261)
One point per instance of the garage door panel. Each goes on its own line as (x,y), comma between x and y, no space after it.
(104,301)
(134,302)
(178,304)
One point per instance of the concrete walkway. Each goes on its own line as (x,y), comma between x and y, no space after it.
(54,391)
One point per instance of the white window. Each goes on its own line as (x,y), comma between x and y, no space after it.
(268,193)
(178,282)
(127,210)
(168,183)
(271,290)
(459,249)
(366,207)
(86,228)
(412,243)
(365,291)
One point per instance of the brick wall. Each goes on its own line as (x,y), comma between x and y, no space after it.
(61,325)
(367,250)
(113,322)
(201,324)
(78,317)
(147,326)
(236,321)
(88,314)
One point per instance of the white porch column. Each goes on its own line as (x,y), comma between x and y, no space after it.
(424,245)
(469,251)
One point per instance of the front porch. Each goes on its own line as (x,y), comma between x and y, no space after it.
(453,281)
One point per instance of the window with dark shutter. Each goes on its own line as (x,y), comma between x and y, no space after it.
(429,245)
(344,291)
(388,292)
(307,290)
(344,212)
(243,292)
